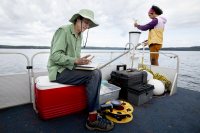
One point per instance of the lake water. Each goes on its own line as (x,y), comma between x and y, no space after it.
(189,73)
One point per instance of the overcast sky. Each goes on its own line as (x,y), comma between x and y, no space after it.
(33,22)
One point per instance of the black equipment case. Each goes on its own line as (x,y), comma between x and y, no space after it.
(128,78)
(140,94)
(133,83)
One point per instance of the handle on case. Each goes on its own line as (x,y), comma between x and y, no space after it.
(119,66)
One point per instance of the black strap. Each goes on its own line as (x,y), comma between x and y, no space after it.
(29,67)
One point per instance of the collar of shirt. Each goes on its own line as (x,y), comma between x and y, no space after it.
(74,33)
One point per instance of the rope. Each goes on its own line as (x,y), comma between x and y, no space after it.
(157,76)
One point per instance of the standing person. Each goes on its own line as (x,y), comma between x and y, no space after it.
(65,55)
(156,28)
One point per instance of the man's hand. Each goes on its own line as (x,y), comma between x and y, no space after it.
(86,56)
(82,61)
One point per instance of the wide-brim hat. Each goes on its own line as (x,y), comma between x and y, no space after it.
(85,13)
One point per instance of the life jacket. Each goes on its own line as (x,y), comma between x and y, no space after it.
(156,34)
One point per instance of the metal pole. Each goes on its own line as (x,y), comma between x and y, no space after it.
(115,58)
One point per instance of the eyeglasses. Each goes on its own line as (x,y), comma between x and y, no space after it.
(87,21)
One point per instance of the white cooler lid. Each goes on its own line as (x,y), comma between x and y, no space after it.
(43,83)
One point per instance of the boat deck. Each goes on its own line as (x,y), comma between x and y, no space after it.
(179,113)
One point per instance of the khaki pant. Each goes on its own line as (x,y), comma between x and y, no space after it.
(154,56)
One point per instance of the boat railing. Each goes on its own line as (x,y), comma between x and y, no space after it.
(143,51)
(30,66)
(111,57)
(169,73)
(12,85)
(32,61)
(170,55)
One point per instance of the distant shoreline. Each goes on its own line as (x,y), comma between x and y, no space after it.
(194,48)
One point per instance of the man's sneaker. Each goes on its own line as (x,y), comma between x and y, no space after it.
(100,124)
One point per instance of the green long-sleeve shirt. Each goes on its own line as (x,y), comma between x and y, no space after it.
(65,48)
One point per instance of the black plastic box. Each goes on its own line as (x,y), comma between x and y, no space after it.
(128,78)
(140,94)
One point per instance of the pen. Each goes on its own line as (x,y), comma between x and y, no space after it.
(91,58)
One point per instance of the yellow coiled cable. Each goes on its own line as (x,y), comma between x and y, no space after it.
(157,76)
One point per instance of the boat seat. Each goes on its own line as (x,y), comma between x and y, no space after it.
(54,99)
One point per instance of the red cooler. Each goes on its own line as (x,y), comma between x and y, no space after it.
(55,100)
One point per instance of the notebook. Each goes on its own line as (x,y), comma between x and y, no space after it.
(91,66)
